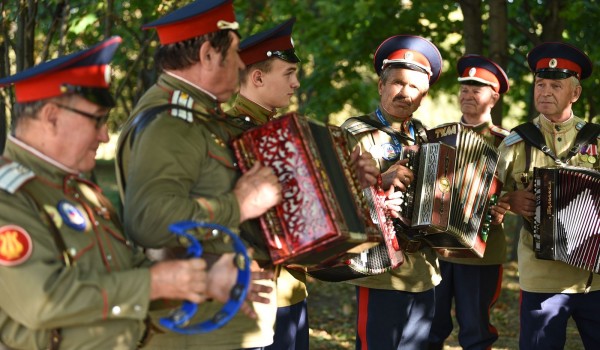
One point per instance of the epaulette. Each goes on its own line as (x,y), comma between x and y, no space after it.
(512,139)
(498,131)
(183,99)
(356,127)
(14,175)
(579,125)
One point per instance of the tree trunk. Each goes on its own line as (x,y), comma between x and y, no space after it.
(498,27)
(472,26)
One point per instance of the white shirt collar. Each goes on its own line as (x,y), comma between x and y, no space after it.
(190,83)
(40,155)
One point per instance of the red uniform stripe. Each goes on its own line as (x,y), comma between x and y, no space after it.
(363,315)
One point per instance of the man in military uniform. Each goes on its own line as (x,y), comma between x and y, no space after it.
(551,291)
(267,84)
(474,283)
(69,276)
(176,164)
(395,309)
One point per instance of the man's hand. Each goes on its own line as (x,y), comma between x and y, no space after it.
(257,191)
(222,277)
(499,210)
(393,201)
(522,202)
(365,167)
(397,175)
(179,279)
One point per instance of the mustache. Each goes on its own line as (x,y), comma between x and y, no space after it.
(402,99)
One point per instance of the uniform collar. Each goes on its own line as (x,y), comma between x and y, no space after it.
(477,127)
(259,114)
(204,101)
(550,127)
(18,151)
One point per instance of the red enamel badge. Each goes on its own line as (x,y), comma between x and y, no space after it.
(15,245)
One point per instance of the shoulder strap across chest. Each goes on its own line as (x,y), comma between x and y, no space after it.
(533,137)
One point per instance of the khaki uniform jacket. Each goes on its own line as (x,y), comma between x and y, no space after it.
(181,167)
(536,275)
(101,300)
(495,249)
(420,270)
(291,285)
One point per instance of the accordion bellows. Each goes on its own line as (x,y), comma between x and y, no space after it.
(324,218)
(566,224)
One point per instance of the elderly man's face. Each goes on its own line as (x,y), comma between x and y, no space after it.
(225,77)
(476,100)
(78,136)
(553,98)
(403,91)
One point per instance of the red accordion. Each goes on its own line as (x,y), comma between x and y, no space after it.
(324,217)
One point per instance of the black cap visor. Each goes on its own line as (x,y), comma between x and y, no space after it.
(99,96)
(288,55)
(555,74)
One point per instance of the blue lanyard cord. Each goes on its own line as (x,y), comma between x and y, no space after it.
(383,121)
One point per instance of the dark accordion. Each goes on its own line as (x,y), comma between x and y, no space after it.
(566,224)
(324,218)
(446,206)
(456,226)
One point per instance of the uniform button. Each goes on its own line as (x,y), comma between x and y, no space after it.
(96,223)
(109,257)
(137,308)
(72,251)
(116,310)
(559,139)
(76,195)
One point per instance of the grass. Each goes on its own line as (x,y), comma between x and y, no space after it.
(332,306)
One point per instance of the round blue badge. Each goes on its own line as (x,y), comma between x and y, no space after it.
(390,151)
(71,215)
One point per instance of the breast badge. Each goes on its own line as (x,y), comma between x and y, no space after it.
(15,245)
(390,151)
(71,216)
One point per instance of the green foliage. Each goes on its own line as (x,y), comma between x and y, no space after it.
(336,41)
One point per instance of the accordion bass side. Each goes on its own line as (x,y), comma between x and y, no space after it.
(472,188)
(323,217)
(566,225)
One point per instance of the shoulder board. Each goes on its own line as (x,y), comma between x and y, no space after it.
(512,139)
(183,99)
(579,125)
(355,127)
(498,131)
(14,175)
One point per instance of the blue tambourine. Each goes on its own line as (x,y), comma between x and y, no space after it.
(179,319)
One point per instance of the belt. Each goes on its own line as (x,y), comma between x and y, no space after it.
(408,245)
(55,339)
(150,331)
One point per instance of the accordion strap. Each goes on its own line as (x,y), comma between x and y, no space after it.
(533,136)
(380,126)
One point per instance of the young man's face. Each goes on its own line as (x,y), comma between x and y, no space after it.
(280,84)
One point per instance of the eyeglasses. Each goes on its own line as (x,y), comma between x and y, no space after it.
(99,120)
